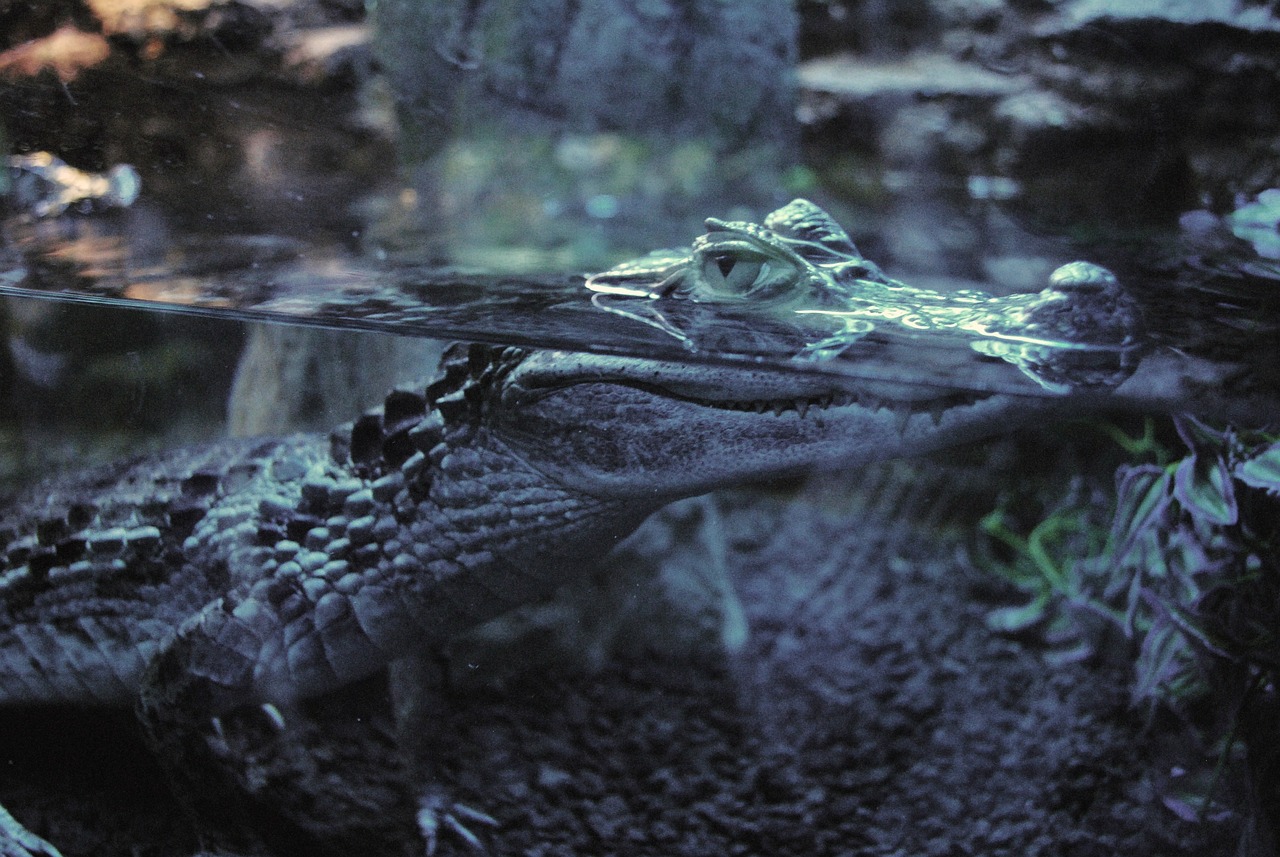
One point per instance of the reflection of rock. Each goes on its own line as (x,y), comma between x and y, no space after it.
(41,185)
(243,115)
(1126,112)
(1232,13)
(563,127)
(930,75)
(66,52)
(1258,222)
(141,18)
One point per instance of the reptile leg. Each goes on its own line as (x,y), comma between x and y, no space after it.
(326,773)
(320,777)
(417,685)
(339,774)
(312,776)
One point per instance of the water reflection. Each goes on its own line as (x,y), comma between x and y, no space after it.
(736,295)
(41,185)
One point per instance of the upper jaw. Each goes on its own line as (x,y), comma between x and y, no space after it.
(727,388)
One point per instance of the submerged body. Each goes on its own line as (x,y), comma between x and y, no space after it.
(268,571)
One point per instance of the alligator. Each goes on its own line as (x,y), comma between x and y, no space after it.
(254,573)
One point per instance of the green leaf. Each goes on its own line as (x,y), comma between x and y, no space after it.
(1262,470)
(1143,498)
(1202,485)
(1134,447)
(1192,629)
(1162,658)
(1198,436)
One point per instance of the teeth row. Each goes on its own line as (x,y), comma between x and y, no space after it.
(780,406)
(801,406)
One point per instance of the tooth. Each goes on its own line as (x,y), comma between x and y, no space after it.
(802,407)
(936,413)
(904,416)
(778,408)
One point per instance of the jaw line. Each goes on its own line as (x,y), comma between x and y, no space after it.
(619,441)
(779,394)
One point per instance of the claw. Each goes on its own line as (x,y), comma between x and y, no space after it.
(273,714)
(464,833)
(433,814)
(471,814)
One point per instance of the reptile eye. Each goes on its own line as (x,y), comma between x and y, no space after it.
(731,274)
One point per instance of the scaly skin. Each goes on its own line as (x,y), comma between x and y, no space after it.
(264,572)
(268,571)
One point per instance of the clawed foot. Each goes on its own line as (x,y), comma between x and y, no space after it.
(17,841)
(436,814)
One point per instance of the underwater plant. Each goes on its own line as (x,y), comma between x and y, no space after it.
(1188,568)
(1258,222)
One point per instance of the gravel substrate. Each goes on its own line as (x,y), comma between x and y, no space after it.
(869,712)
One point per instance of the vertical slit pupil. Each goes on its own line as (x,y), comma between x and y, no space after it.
(725,263)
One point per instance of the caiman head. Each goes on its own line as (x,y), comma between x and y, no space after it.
(620,428)
(800,275)
(627,427)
